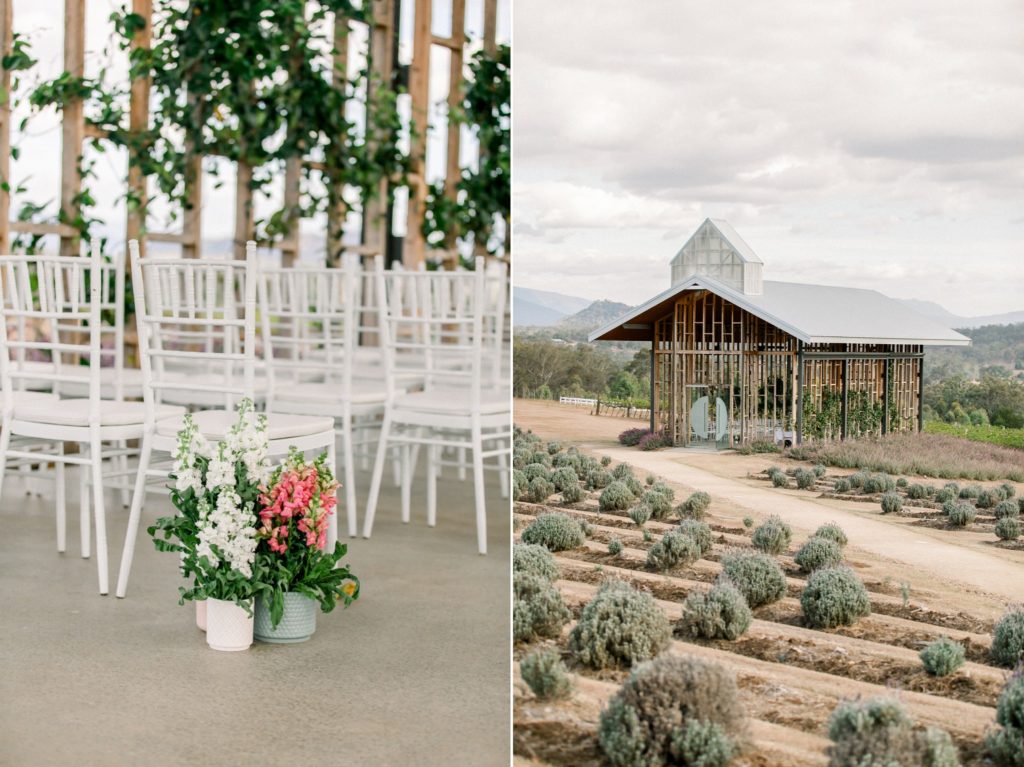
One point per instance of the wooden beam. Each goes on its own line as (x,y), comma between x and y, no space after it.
(490,26)
(174,237)
(31,227)
(138,122)
(376,225)
(800,393)
(845,428)
(414,248)
(337,210)
(72,124)
(244,214)
(6,40)
(192,219)
(290,242)
(920,394)
(453,172)
(885,398)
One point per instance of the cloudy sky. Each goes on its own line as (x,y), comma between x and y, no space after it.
(866,144)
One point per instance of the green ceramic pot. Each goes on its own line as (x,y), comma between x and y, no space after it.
(297,623)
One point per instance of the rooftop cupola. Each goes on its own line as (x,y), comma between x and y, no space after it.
(716,250)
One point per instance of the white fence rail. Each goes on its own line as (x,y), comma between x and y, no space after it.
(577,401)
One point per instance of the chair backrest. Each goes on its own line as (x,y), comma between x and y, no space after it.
(62,295)
(197,326)
(433,327)
(309,319)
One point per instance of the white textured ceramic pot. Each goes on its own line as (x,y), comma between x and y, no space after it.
(201,614)
(228,626)
(297,623)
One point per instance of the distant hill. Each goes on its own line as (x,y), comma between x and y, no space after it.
(542,307)
(594,316)
(941,314)
(999,346)
(527,313)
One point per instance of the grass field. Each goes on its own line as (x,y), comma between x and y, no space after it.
(994,435)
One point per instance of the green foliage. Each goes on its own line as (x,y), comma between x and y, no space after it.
(772,536)
(699,531)
(748,522)
(572,494)
(902,482)
(650,479)
(1008,528)
(533,470)
(622,471)
(597,480)
(534,559)
(675,710)
(640,514)
(878,483)
(993,435)
(971,491)
(1007,490)
(805,478)
(695,506)
(959,514)
(841,485)
(539,490)
(833,532)
(946,494)
(917,492)
(817,553)
(987,499)
(659,504)
(615,547)
(615,497)
(546,675)
(757,575)
(892,503)
(606,460)
(878,733)
(543,457)
(1007,509)
(1004,745)
(519,484)
(563,478)
(718,613)
(633,485)
(942,657)
(661,487)
(673,549)
(619,627)
(819,470)
(1008,638)
(537,608)
(554,531)
(834,596)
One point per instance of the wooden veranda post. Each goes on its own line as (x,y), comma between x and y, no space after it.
(414,248)
(138,122)
(72,127)
(376,224)
(453,171)
(6,40)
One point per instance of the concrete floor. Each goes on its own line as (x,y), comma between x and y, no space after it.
(415,672)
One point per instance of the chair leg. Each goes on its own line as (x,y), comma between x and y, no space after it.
(503,474)
(99,513)
(138,497)
(122,469)
(478,487)
(378,473)
(5,442)
(396,465)
(432,458)
(461,459)
(332,524)
(84,518)
(62,510)
(348,456)
(406,481)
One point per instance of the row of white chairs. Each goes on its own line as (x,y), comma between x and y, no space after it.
(212,332)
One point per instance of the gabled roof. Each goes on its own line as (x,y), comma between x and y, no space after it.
(730,235)
(811,313)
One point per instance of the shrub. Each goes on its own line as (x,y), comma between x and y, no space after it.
(891,503)
(1008,638)
(534,559)
(539,490)
(633,485)
(841,485)
(619,627)
(817,553)
(718,613)
(546,675)
(537,608)
(695,506)
(659,504)
(758,576)
(571,459)
(554,531)
(1008,528)
(805,478)
(563,478)
(971,491)
(902,482)
(855,717)
(599,479)
(640,514)
(833,532)
(534,470)
(879,733)
(553,447)
(748,522)
(661,487)
(878,483)
(773,470)
(622,471)
(606,460)
(542,457)
(699,531)
(586,527)
(615,547)
(650,479)
(987,499)
(916,492)
(945,495)
(942,657)
(857,480)
(615,497)
(521,457)
(1004,745)
(959,514)
(674,548)
(519,484)
(1007,490)
(632,437)
(953,486)
(654,442)
(572,494)
(819,470)
(772,536)
(675,710)
(1007,509)
(834,596)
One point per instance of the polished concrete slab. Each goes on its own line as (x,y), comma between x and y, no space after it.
(414,673)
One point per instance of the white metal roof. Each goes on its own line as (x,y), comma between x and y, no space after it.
(730,235)
(811,313)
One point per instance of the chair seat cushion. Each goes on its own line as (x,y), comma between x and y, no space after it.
(362,393)
(215,424)
(452,400)
(75,412)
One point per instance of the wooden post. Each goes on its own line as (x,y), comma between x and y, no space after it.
(376,224)
(920,393)
(885,397)
(72,125)
(653,344)
(454,169)
(845,429)
(339,79)
(138,122)
(290,242)
(490,26)
(191,225)
(799,392)
(244,216)
(414,249)
(6,40)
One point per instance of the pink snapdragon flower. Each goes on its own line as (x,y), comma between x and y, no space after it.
(302,496)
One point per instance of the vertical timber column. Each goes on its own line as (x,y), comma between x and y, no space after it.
(799,392)
(654,344)
(339,80)
(885,397)
(414,249)
(244,216)
(454,170)
(846,400)
(6,38)
(491,26)
(376,225)
(920,390)
(72,125)
(290,243)
(138,122)
(191,226)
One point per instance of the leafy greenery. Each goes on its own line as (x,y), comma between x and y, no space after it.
(994,435)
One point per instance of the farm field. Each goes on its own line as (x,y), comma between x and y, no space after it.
(924,581)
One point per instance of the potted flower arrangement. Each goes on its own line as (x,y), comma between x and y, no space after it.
(216,491)
(295,572)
